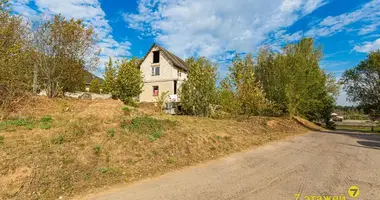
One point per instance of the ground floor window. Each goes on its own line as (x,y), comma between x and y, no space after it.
(155,90)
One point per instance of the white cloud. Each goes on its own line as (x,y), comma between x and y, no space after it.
(210,28)
(368,15)
(368,46)
(87,10)
(369,28)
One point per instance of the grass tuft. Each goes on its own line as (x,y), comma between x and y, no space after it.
(46,118)
(97,149)
(58,140)
(148,125)
(155,136)
(171,160)
(45,122)
(111,132)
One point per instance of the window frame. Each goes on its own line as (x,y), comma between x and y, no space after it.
(158,90)
(155,69)
(156,57)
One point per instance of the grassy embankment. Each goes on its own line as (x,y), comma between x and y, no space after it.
(55,148)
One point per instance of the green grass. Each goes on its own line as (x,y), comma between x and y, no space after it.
(10,125)
(58,139)
(97,149)
(45,122)
(126,109)
(358,128)
(171,160)
(29,124)
(111,132)
(155,136)
(145,125)
(104,170)
(46,119)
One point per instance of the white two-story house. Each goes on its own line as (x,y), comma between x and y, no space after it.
(162,71)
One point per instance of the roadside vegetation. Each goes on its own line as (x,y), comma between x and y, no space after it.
(65,147)
(362,85)
(287,83)
(52,147)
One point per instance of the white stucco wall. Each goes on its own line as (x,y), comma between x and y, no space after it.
(165,81)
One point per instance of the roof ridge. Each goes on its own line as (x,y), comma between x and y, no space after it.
(177,61)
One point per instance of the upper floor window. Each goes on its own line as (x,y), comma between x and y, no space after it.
(155,71)
(179,74)
(156,57)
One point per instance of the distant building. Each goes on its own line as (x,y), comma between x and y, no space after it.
(336,117)
(88,78)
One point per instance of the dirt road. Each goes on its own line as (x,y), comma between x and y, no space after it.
(324,164)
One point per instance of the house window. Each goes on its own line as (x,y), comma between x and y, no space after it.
(179,74)
(155,90)
(156,57)
(155,71)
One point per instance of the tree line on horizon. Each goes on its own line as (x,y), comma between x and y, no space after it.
(54,54)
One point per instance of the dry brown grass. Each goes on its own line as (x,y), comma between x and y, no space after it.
(80,153)
(307,124)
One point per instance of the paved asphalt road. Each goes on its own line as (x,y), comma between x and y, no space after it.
(318,163)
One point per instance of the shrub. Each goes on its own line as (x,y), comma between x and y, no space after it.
(161,99)
(95,86)
(199,90)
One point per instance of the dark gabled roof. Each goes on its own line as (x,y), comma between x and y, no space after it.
(88,76)
(176,61)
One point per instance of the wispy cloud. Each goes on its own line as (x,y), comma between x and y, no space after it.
(368,46)
(211,28)
(368,15)
(87,10)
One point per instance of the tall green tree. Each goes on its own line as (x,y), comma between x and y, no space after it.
(362,84)
(294,81)
(242,85)
(110,74)
(272,76)
(16,59)
(129,80)
(65,48)
(198,93)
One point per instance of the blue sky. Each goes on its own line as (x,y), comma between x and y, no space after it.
(217,29)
